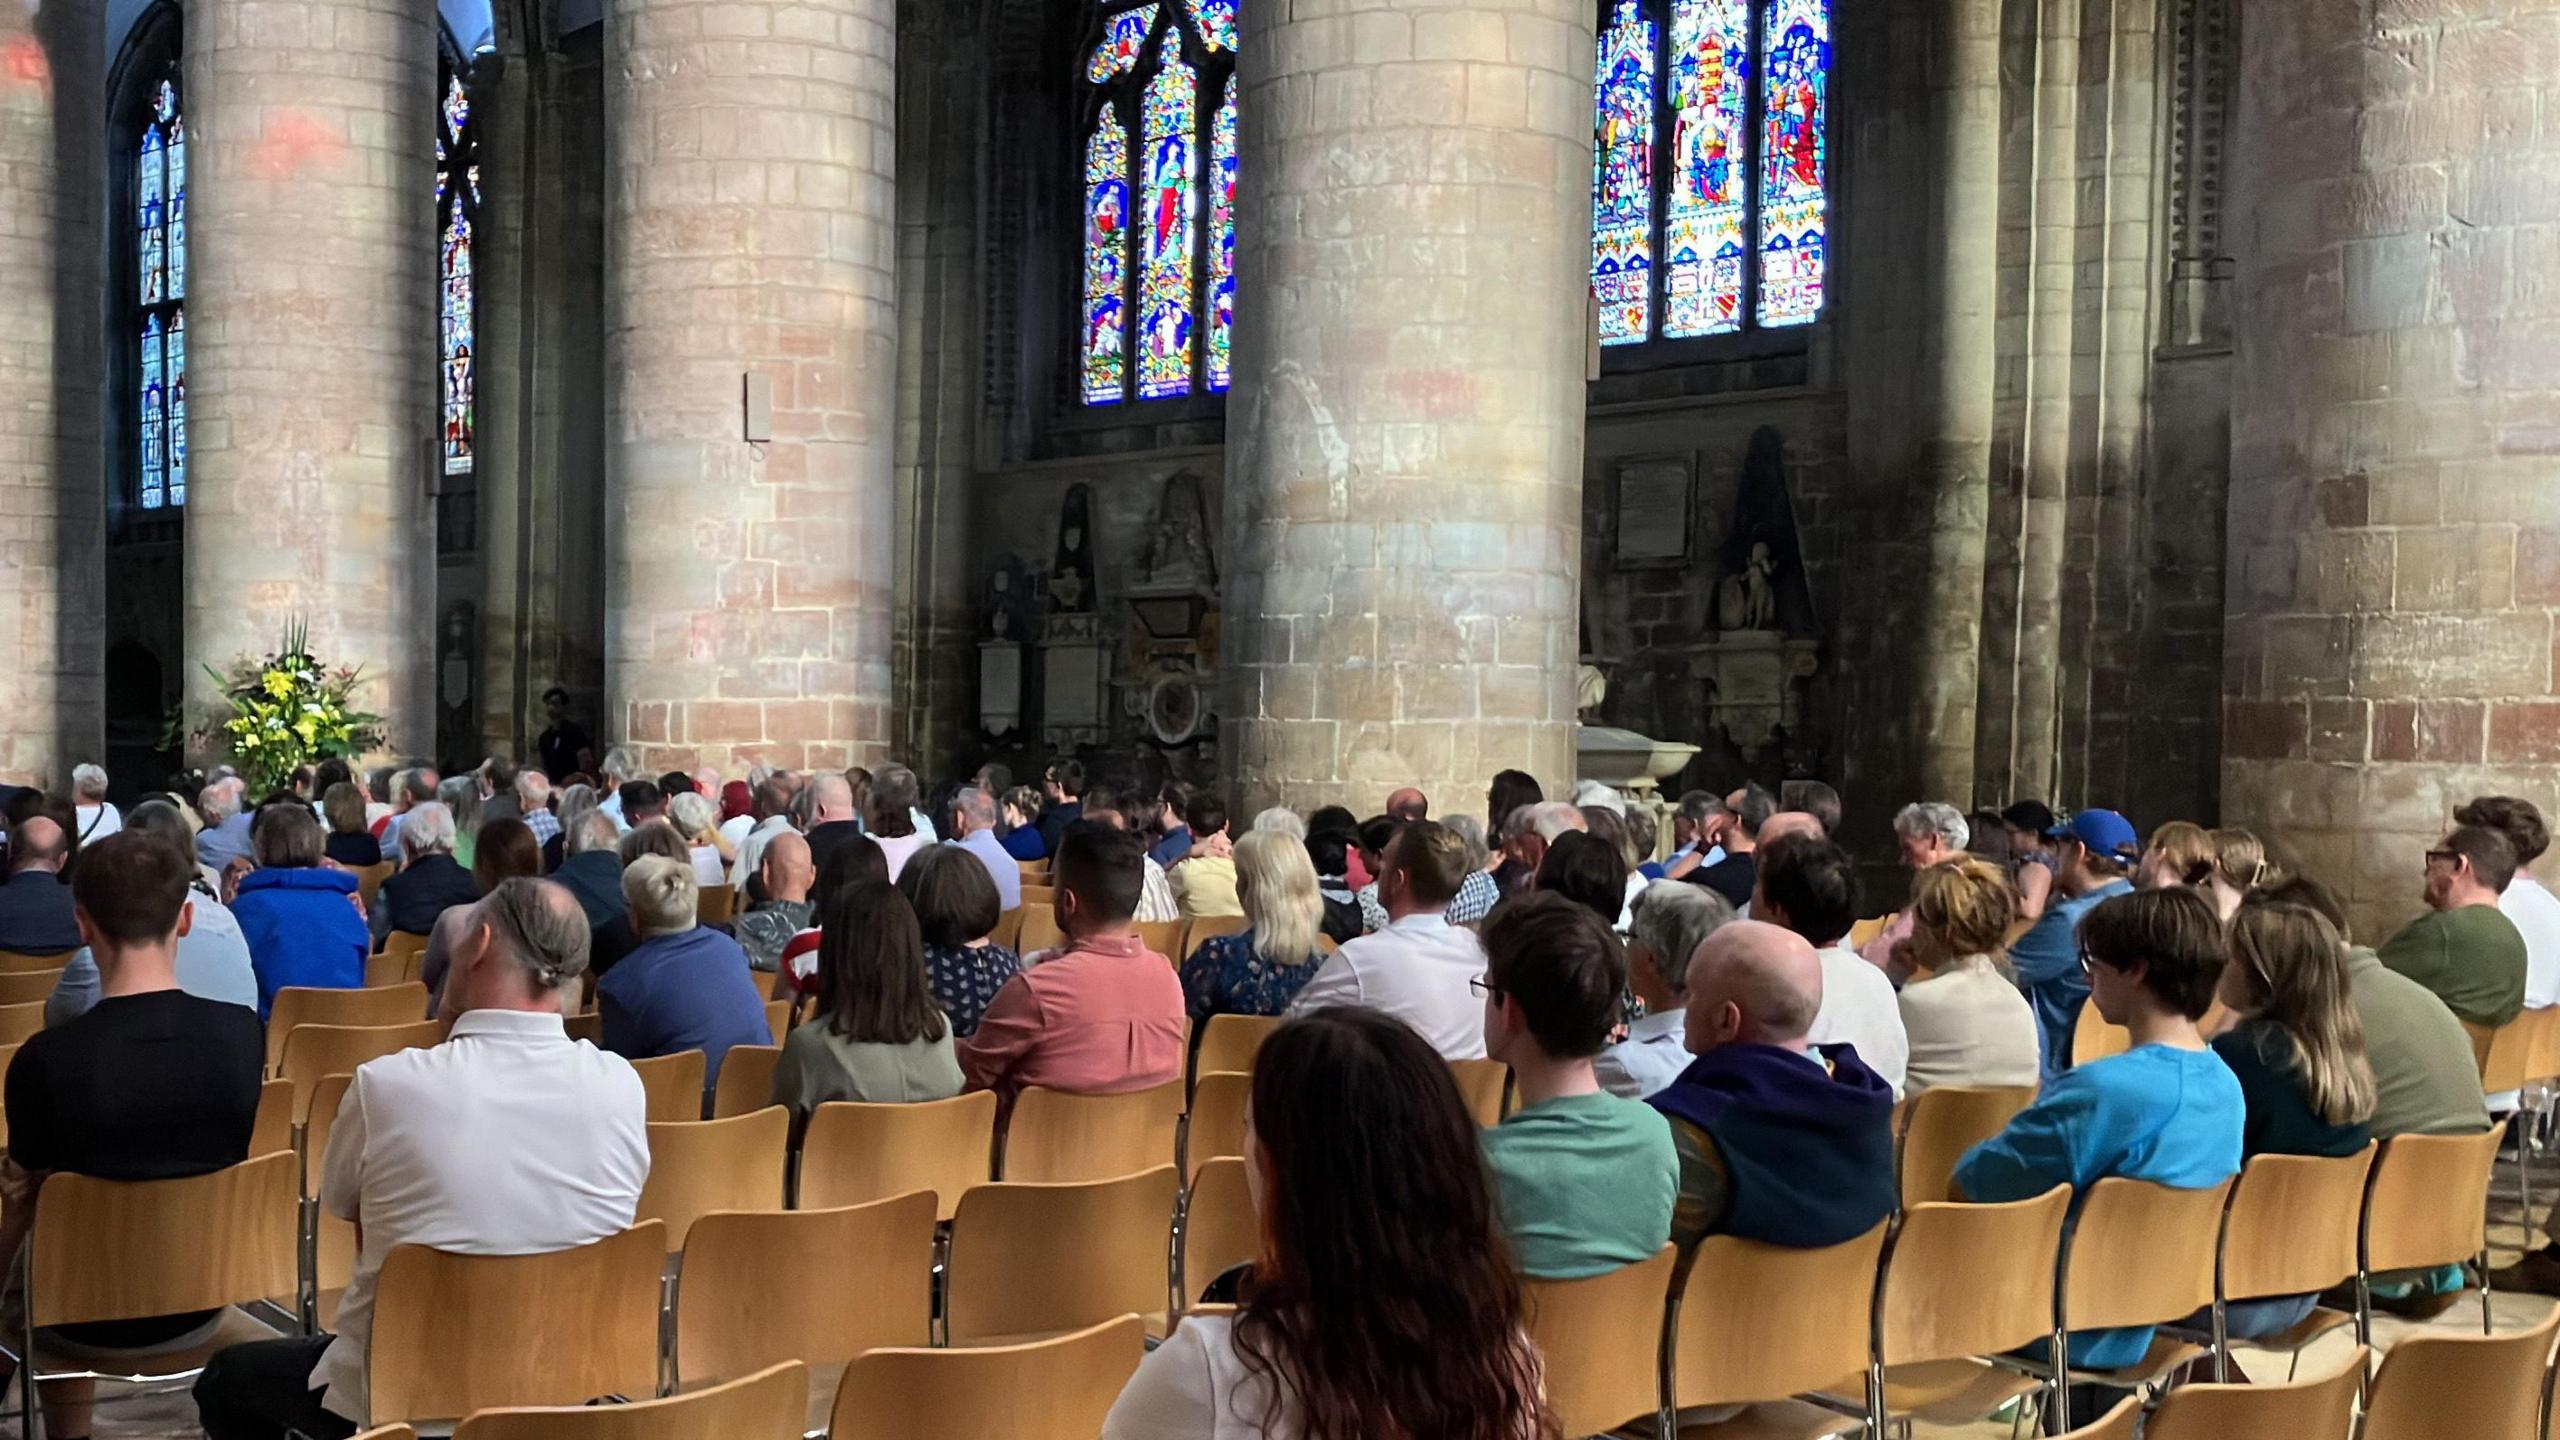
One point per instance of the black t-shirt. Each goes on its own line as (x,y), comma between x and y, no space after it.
(1732,877)
(560,746)
(142,1087)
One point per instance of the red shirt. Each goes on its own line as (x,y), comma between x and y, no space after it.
(1102,1017)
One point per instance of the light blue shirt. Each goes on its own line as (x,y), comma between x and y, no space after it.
(212,964)
(1001,866)
(1654,1053)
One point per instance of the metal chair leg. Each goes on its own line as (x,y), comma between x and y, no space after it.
(2058,1420)
(2221,1340)
(2364,1308)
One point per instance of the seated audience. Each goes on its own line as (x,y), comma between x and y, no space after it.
(773,801)
(1384,1302)
(225,836)
(1587,870)
(507,852)
(1282,820)
(1260,969)
(2167,1111)
(1479,892)
(1584,1180)
(876,1035)
(1106,806)
(855,862)
(533,807)
(1204,876)
(2033,867)
(889,816)
(1062,801)
(955,905)
(2240,869)
(592,874)
(1810,886)
(2464,948)
(213,959)
(1733,877)
(35,906)
(1420,969)
(1023,808)
(641,801)
(1172,824)
(94,817)
(350,844)
(737,808)
(973,828)
(785,878)
(1367,862)
(1099,1017)
(683,987)
(1780,1141)
(2525,902)
(654,837)
(2425,1073)
(2090,859)
(430,880)
(507,1139)
(1927,834)
(411,786)
(697,822)
(299,918)
(1965,1020)
(1328,852)
(460,796)
(1814,798)
(1669,923)
(1507,802)
(1693,844)
(2178,853)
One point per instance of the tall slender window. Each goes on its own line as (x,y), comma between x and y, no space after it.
(1728,232)
(1156,314)
(457,207)
(160,277)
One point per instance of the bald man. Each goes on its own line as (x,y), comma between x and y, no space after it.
(785,874)
(1409,805)
(1781,1141)
(35,906)
(1791,822)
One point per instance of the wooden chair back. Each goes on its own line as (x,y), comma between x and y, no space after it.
(28,987)
(2291,1229)
(333,1251)
(772,1404)
(1965,1280)
(1039,927)
(1056,1389)
(2427,1203)
(1038,895)
(2118,1424)
(18,1023)
(2542,1056)
(1480,1084)
(2322,1409)
(2092,1038)
(2503,1054)
(2140,1254)
(1231,1042)
(401,1004)
(398,961)
(1219,1227)
(1204,928)
(455,1334)
(1032,870)
(200,1243)
(856,1154)
(369,880)
(1601,1340)
(388,1432)
(815,1285)
(1761,1322)
(1939,1125)
(1163,937)
(313,1052)
(273,1129)
(777,1022)
(746,1080)
(1008,931)
(698,1166)
(1327,944)
(588,1027)
(1037,1259)
(715,904)
(674,1085)
(1217,1117)
(18,962)
(1058,1138)
(2483,1387)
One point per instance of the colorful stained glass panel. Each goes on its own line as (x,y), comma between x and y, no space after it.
(176,366)
(1216,22)
(1622,177)
(1172,196)
(1105,346)
(177,258)
(154,418)
(150,179)
(1794,160)
(1222,241)
(1124,44)
(455,333)
(1703,244)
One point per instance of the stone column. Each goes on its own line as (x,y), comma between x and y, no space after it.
(52,520)
(1404,464)
(310,377)
(750,232)
(2395,477)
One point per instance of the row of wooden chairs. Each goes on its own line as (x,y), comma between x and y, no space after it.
(26,982)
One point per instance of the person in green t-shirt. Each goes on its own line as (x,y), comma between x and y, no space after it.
(1584,1181)
(2463,949)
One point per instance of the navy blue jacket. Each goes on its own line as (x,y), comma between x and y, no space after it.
(1807,1148)
(688,991)
(35,914)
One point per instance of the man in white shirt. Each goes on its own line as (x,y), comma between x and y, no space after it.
(1420,969)
(619,766)
(1809,885)
(2533,909)
(1104,805)
(1670,921)
(507,1139)
(973,828)
(773,816)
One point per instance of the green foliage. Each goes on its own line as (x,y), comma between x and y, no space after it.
(287,709)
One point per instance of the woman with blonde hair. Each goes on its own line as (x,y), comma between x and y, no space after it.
(1260,970)
(1967,1022)
(2179,853)
(2240,869)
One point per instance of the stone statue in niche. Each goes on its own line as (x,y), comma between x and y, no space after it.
(1006,613)
(1071,587)
(1746,600)
(1178,553)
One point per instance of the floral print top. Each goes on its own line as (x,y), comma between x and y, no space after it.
(1227,976)
(964,980)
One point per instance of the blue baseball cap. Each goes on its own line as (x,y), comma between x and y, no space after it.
(2105,833)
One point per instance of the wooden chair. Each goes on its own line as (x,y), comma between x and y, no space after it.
(1032,870)
(777,1021)
(1008,931)
(388,1432)
(746,1080)
(312,1052)
(1231,1041)
(2323,1409)
(1480,1083)
(771,1404)
(1039,929)
(18,1023)
(1163,937)
(1938,1126)
(455,1334)
(1057,1138)
(1219,1227)
(1327,944)
(715,904)
(698,1166)
(588,1027)
(273,1129)
(7,1054)
(2426,1205)
(2137,1254)
(1203,928)
(1038,895)
(18,962)
(28,987)
(1957,1282)
(2092,1038)
(400,1004)
(855,1154)
(332,1241)
(1601,1340)
(398,961)
(2480,1387)
(674,1085)
(1860,932)
(815,1285)
(369,880)
(1034,1260)
(207,1242)
(2117,1424)
(2290,1230)
(1058,1389)
(1759,1323)
(1217,1118)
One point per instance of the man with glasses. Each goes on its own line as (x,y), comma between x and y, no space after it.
(1420,967)
(2465,950)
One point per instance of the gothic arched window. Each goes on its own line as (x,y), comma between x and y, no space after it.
(159,380)
(1710,170)
(457,211)
(1156,318)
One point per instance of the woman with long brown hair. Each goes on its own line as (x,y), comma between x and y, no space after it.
(1384,1305)
(876,1035)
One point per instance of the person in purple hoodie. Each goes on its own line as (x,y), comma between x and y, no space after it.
(300,919)
(1780,1141)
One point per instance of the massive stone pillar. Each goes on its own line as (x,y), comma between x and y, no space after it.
(750,243)
(310,371)
(1404,463)
(2395,496)
(52,520)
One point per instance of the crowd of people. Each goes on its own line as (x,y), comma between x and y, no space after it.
(1707,1033)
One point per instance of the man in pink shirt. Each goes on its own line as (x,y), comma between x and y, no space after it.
(1100,1017)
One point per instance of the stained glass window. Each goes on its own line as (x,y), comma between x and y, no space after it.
(1157,251)
(457,206)
(160,290)
(1728,231)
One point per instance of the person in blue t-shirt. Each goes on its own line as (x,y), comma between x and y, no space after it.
(2091,855)
(2168,1110)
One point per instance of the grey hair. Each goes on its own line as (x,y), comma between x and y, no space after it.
(89,782)
(978,805)
(426,829)
(541,926)
(662,896)
(533,789)
(1470,833)
(1933,818)
(828,791)
(460,794)
(694,815)
(620,763)
(591,830)
(1284,820)
(1672,918)
(413,783)
(161,818)
(219,801)
(1554,818)
(1697,805)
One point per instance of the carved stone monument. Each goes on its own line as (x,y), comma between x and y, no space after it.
(1755,667)
(1074,660)
(1169,680)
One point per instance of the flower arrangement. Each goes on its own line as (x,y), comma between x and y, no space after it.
(287,710)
